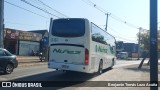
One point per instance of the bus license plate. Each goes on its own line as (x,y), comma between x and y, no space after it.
(65,66)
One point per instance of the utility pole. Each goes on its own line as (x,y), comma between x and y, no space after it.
(107,20)
(153,44)
(139,42)
(1,22)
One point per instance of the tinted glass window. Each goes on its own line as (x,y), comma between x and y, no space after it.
(100,36)
(5,53)
(8,53)
(1,53)
(68,27)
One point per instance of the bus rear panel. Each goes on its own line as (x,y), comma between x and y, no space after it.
(69,48)
(75,44)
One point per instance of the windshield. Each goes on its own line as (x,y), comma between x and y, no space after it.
(68,27)
(8,53)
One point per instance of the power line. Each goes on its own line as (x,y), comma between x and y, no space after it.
(118,33)
(125,22)
(120,37)
(95,6)
(25,9)
(39,8)
(124,38)
(89,2)
(40,3)
(52,8)
(35,1)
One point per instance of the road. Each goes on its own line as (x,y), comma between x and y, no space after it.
(42,73)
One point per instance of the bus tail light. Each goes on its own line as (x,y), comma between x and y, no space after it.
(86,56)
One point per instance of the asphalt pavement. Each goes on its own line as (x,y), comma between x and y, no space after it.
(124,70)
(42,73)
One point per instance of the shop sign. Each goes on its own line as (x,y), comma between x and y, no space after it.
(23,35)
(11,34)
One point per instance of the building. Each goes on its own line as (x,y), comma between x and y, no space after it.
(131,48)
(21,42)
(44,40)
(119,46)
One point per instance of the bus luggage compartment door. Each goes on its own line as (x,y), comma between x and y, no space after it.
(67,54)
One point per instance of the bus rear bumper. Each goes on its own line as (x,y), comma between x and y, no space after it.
(70,67)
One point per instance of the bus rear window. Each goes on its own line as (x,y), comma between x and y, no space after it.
(68,27)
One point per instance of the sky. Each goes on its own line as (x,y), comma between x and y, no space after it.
(126,16)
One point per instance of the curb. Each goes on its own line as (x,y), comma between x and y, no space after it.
(32,64)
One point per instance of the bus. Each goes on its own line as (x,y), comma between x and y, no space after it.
(76,44)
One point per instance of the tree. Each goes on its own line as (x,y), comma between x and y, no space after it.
(144,40)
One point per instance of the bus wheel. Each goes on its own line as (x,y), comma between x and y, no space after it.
(100,70)
(112,64)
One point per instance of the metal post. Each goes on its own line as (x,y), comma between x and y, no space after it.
(107,21)
(153,44)
(1,22)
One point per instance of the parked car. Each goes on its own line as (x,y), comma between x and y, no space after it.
(8,61)
(122,55)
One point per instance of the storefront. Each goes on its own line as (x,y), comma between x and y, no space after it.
(29,42)
(11,40)
(22,42)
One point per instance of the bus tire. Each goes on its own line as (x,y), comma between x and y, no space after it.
(100,69)
(112,64)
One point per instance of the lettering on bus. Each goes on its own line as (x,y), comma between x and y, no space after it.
(54,39)
(101,49)
(66,51)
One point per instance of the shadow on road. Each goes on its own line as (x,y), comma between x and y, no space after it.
(145,68)
(2,73)
(67,79)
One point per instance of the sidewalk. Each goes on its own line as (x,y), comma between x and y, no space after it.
(27,57)
(128,74)
(29,61)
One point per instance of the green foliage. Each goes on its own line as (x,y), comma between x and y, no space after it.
(144,40)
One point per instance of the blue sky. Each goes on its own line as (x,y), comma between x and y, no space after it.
(135,12)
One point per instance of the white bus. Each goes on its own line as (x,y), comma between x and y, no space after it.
(75,44)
